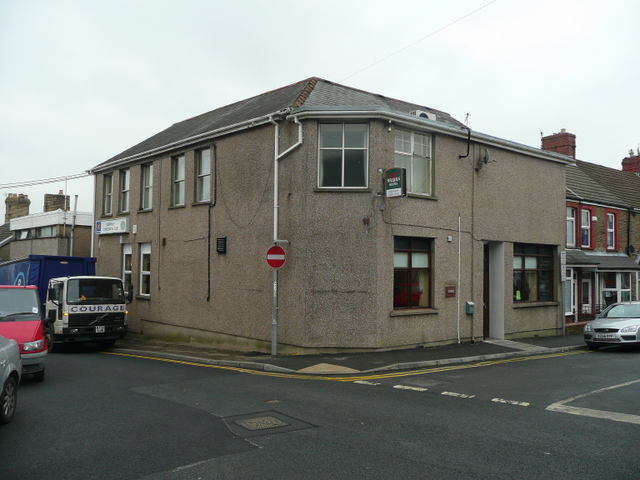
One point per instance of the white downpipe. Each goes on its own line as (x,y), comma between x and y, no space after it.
(276,182)
(276,208)
(459,290)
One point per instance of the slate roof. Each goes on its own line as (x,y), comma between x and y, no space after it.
(582,187)
(312,92)
(625,185)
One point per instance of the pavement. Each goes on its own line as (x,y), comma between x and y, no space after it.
(356,363)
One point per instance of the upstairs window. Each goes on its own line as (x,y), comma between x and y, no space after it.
(203,173)
(612,231)
(571,227)
(413,152)
(124,190)
(585,228)
(343,155)
(146,202)
(107,194)
(177,178)
(46,232)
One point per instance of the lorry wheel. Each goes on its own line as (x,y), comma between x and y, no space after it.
(8,400)
(107,343)
(39,376)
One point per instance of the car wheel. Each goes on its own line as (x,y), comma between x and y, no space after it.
(39,376)
(8,400)
(593,346)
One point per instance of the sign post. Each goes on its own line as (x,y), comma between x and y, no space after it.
(276,256)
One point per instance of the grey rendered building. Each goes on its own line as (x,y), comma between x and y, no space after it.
(472,250)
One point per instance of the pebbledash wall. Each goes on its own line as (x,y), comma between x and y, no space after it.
(336,287)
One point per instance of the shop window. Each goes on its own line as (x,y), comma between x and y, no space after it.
(412,271)
(533,273)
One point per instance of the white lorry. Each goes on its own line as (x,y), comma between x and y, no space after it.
(87,309)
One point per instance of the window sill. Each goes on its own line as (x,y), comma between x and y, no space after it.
(143,297)
(422,196)
(534,304)
(199,204)
(174,207)
(145,210)
(342,190)
(413,311)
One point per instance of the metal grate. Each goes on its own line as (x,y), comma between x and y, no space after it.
(260,423)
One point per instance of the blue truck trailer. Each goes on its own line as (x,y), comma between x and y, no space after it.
(39,269)
(80,306)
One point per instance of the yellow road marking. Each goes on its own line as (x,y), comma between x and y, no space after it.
(354,378)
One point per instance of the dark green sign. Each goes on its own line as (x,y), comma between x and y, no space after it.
(395,183)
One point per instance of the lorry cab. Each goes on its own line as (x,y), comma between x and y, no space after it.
(87,309)
(21,320)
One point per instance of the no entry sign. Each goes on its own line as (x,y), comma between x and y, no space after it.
(276,256)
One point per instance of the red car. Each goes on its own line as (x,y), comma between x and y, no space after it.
(21,320)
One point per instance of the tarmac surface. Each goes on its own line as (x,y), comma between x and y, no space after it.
(356,363)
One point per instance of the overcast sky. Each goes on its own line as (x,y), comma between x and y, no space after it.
(83,80)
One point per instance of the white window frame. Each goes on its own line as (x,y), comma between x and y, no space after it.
(145,273)
(178,168)
(48,231)
(344,149)
(570,292)
(585,225)
(107,194)
(611,231)
(146,199)
(620,293)
(571,226)
(203,175)
(127,265)
(125,186)
(413,153)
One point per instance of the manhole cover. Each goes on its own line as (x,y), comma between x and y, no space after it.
(259,423)
(264,423)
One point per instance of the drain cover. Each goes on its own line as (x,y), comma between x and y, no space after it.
(264,423)
(259,423)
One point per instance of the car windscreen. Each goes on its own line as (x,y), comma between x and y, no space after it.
(622,311)
(19,304)
(94,291)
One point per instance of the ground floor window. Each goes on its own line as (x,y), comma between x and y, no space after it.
(615,287)
(412,272)
(533,273)
(145,269)
(127,266)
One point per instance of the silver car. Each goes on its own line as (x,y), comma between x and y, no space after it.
(10,372)
(618,324)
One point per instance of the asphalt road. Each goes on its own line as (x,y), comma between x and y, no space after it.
(105,416)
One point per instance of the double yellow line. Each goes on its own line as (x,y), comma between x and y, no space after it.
(354,378)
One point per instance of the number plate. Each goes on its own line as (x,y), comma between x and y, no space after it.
(100,329)
(607,336)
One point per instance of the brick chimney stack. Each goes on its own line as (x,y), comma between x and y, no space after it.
(632,162)
(563,142)
(16,205)
(53,202)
